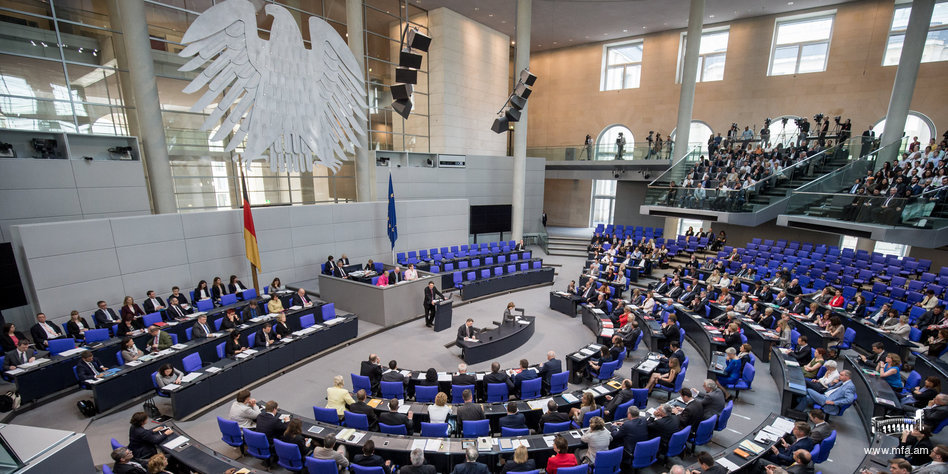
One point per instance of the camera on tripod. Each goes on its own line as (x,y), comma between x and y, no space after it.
(836,119)
(818,118)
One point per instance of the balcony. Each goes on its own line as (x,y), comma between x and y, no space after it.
(603,162)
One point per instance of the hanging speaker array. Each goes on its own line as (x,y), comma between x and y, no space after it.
(406,74)
(511,110)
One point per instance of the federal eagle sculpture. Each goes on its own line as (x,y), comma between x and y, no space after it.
(301,104)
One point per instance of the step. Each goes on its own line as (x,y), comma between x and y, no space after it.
(552,248)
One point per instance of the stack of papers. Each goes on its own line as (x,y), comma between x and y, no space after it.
(403,408)
(27,365)
(601,389)
(435,444)
(178,441)
(570,398)
(171,387)
(731,467)
(586,352)
(549,441)
(418,444)
(180,346)
(315,429)
(72,352)
(334,321)
(191,376)
(296,307)
(213,370)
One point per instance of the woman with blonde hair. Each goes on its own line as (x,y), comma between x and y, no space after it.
(597,439)
(674,368)
(157,464)
(338,397)
(521,462)
(587,404)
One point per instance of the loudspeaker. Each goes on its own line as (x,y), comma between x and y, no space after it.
(418,40)
(409,59)
(517,102)
(500,125)
(527,77)
(402,107)
(404,75)
(401,91)
(512,114)
(522,90)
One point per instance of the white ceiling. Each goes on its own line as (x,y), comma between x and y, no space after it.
(562,23)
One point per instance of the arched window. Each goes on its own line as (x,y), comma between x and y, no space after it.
(606,148)
(697,135)
(916,125)
(784,132)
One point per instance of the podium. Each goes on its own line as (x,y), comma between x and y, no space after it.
(442,318)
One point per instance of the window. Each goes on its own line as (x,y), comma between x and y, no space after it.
(801,45)
(697,135)
(621,66)
(603,201)
(936,45)
(606,147)
(916,125)
(694,224)
(889,248)
(711,55)
(848,242)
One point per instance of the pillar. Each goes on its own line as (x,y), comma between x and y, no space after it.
(141,71)
(364,173)
(521,61)
(689,74)
(912,48)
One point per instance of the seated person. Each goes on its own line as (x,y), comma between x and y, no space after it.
(513,419)
(201,330)
(732,369)
(525,374)
(394,418)
(265,337)
(921,396)
(125,462)
(43,331)
(167,374)
(143,441)
(827,381)
(77,326)
(89,367)
(294,435)
(521,462)
(813,367)
(784,452)
(888,370)
(280,328)
(562,456)
(233,346)
(368,458)
(596,363)
(153,302)
(235,285)
(217,290)
(105,317)
(327,449)
(843,394)
(252,311)
(498,376)
(202,292)
(917,444)
(21,355)
(182,299)
(551,415)
(175,309)
(230,320)
(668,378)
(275,305)
(301,299)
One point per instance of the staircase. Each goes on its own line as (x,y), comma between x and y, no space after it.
(784,188)
(568,246)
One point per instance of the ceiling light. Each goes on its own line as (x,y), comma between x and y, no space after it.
(789,3)
(477,9)
(554,42)
(513,43)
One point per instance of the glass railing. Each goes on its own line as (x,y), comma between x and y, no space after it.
(750,198)
(601,152)
(681,168)
(916,211)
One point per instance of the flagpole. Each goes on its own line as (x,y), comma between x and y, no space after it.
(253,267)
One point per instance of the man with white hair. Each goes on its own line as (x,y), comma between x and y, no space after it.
(550,367)
(470,464)
(463,378)
(418,465)
(677,469)
(828,380)
(712,398)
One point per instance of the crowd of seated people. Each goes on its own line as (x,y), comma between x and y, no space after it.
(900,190)
(618,254)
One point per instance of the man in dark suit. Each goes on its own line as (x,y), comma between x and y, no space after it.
(821,429)
(550,367)
(622,396)
(526,373)
(363,408)
(670,331)
(268,423)
(589,293)
(632,430)
(393,374)
(462,377)
(794,288)
(252,311)
(467,330)
(802,463)
(42,332)
(803,354)
(766,295)
(552,415)
(89,367)
(497,376)
(663,285)
(782,453)
(513,419)
(393,417)
(936,411)
(301,299)
(175,311)
(265,337)
(470,466)
(339,271)
(125,462)
(712,399)
(329,268)
(676,290)
(200,330)
(469,410)
(798,306)
(662,424)
(692,413)
(153,303)
(372,369)
(431,293)
(22,354)
(105,317)
(395,276)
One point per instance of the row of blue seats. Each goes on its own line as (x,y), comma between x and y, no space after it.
(476,262)
(628,231)
(466,250)
(484,274)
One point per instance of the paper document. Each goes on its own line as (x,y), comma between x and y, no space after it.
(783,424)
(191,376)
(36,362)
(294,308)
(213,370)
(731,467)
(15,371)
(180,346)
(171,387)
(549,441)
(315,429)
(134,363)
(72,352)
(602,389)
(418,444)
(570,398)
(404,408)
(334,321)
(177,441)
(433,444)
(444,377)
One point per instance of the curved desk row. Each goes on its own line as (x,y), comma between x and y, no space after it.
(447,276)
(736,463)
(873,395)
(196,456)
(506,282)
(498,341)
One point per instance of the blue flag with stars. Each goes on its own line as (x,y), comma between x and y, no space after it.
(392,225)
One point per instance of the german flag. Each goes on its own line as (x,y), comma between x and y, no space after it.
(250,235)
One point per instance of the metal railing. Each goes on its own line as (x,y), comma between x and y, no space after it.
(602,152)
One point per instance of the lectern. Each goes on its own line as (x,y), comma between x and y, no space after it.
(442,319)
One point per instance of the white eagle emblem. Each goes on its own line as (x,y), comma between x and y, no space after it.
(301,104)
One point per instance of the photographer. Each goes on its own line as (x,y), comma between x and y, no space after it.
(620,146)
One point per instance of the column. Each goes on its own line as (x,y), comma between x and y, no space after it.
(141,71)
(904,85)
(521,61)
(364,173)
(689,75)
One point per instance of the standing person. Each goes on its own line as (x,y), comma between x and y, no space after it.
(620,146)
(543,218)
(430,293)
(587,147)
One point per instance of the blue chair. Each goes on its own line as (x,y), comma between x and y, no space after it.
(228,299)
(646,453)
(393,390)
(580,469)
(458,390)
(605,371)
(257,444)
(679,380)
(192,362)
(61,345)
(475,428)
(940,426)
(154,384)
(119,358)
(640,397)
(622,410)
(217,323)
(188,334)
(744,383)
(607,462)
(393,429)
(497,392)
(205,305)
(320,466)
(433,430)
(530,388)
(151,318)
(915,335)
(704,432)
(307,320)
(725,416)
(248,294)
(106,469)
(590,415)
(825,447)
(848,337)
(328,311)
(913,380)
(96,335)
(842,408)
(359,421)
(174,337)
(677,442)
(559,382)
(251,339)
(357,469)
(220,351)
(425,393)
(288,455)
(635,346)
(361,382)
(116,444)
(556,427)
(326,415)
(230,433)
(504,431)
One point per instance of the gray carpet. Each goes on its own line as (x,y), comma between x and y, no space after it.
(415,347)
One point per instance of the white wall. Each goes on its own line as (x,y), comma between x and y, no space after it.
(485,180)
(468,81)
(71,265)
(35,190)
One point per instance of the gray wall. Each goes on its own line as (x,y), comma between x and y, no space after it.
(629,196)
(484,180)
(34,190)
(70,265)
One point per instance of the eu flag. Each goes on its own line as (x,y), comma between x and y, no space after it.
(392,225)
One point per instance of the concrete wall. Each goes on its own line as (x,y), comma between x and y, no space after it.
(939,257)
(566,202)
(468,81)
(629,196)
(34,190)
(739,235)
(855,84)
(71,265)
(484,180)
